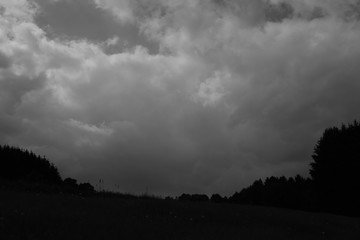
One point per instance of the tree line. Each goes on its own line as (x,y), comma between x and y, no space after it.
(22,169)
(332,187)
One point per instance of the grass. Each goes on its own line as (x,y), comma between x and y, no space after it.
(46,216)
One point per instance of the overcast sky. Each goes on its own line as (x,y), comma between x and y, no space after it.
(172,96)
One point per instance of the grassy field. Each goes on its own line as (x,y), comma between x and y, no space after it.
(40,216)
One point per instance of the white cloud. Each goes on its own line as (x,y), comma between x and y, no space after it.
(88,134)
(211,91)
(121,9)
(102,129)
(17,10)
(112,41)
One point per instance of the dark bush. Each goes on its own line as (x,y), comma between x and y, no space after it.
(217,198)
(193,197)
(86,188)
(71,182)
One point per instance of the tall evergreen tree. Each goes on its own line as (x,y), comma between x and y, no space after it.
(336,166)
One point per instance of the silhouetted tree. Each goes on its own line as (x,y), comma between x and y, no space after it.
(70,185)
(336,166)
(86,188)
(199,197)
(184,197)
(18,164)
(71,182)
(217,198)
(193,197)
(277,191)
(23,170)
(250,195)
(334,182)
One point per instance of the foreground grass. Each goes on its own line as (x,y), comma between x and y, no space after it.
(41,216)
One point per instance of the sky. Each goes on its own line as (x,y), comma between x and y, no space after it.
(174,96)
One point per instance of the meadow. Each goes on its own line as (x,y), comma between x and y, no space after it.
(28,215)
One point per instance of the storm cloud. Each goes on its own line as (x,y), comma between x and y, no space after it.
(231,91)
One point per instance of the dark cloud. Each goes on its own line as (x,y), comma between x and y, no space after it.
(9,126)
(13,89)
(5,62)
(278,12)
(240,89)
(80,19)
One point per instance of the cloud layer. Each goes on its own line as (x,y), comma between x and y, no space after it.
(239,90)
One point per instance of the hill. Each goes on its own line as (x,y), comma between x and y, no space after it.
(45,216)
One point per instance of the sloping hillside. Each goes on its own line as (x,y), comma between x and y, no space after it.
(41,216)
